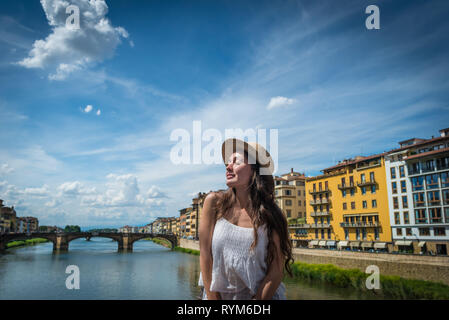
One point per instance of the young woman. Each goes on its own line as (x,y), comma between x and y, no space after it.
(244,242)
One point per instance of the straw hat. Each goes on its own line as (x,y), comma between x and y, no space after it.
(255,152)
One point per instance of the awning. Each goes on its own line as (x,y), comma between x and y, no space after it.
(402,243)
(355,244)
(380,245)
(367,244)
(342,244)
(314,242)
(322,243)
(421,244)
(330,243)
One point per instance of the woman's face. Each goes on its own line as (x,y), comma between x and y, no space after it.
(238,171)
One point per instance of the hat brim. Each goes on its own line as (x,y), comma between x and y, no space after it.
(256,152)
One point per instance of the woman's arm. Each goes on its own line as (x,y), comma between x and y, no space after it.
(275,273)
(205,231)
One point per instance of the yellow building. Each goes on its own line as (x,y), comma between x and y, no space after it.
(289,190)
(347,206)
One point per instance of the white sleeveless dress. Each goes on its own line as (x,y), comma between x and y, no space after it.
(238,271)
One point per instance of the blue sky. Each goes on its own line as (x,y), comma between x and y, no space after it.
(150,67)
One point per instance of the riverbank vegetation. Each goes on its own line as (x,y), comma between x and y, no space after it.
(190,251)
(391,287)
(160,241)
(28,242)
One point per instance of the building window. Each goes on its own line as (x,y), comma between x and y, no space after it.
(397,219)
(364,205)
(289,213)
(424,231)
(433,198)
(346,234)
(344,206)
(394,188)
(432,181)
(363,191)
(401,171)
(445,197)
(322,233)
(328,233)
(326,185)
(316,233)
(435,215)
(299,192)
(417,183)
(403,186)
(420,216)
(408,231)
(374,203)
(395,203)
(352,192)
(288,202)
(353,205)
(439,232)
(357,234)
(299,202)
(362,177)
(399,231)
(376,234)
(404,202)
(373,189)
(406,218)
(371,176)
(364,234)
(343,193)
(393,173)
(288,192)
(418,199)
(444,180)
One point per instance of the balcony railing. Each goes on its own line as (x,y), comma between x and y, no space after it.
(319,213)
(299,226)
(320,225)
(319,201)
(344,186)
(366,183)
(319,191)
(359,224)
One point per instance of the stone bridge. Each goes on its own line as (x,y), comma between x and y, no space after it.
(61,240)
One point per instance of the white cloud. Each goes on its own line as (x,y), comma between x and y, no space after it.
(279,101)
(155,192)
(6,169)
(98,112)
(65,50)
(74,188)
(88,108)
(37,192)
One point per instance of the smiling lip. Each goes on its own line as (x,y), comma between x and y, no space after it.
(229,176)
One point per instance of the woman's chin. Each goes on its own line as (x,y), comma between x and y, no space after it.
(230,184)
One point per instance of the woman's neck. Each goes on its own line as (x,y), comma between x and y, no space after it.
(242,198)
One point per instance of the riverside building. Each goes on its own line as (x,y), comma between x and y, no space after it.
(418,192)
(347,207)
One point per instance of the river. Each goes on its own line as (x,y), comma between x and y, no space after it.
(151,271)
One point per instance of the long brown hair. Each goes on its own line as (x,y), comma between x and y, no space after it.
(263,210)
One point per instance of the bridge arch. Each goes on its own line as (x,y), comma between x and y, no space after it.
(7,238)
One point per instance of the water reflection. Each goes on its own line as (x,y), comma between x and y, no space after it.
(151,271)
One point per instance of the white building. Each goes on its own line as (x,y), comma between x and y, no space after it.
(418,194)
